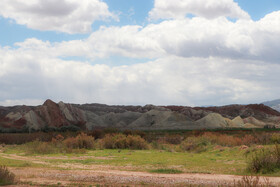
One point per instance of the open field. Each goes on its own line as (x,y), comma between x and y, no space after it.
(163,164)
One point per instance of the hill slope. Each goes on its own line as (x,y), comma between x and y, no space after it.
(60,115)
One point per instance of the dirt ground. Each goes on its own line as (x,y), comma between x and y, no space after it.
(90,175)
(121,178)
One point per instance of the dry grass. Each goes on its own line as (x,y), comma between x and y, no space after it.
(6,177)
(253,181)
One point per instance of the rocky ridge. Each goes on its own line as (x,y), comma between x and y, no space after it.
(53,115)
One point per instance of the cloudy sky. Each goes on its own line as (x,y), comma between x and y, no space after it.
(162,52)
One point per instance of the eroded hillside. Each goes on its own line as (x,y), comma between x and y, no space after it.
(53,115)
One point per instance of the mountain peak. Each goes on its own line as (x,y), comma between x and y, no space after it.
(49,102)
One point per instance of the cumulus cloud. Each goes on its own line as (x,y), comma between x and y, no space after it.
(196,37)
(164,9)
(168,80)
(68,16)
(195,61)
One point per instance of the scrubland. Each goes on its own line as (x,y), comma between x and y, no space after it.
(252,156)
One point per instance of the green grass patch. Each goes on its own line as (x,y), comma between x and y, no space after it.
(17,163)
(166,171)
(229,161)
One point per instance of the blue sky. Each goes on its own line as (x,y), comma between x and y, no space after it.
(139,52)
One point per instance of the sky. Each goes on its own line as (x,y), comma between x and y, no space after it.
(131,52)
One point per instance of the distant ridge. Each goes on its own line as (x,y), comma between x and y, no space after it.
(54,116)
(275,104)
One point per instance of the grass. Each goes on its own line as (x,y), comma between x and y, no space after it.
(227,161)
(18,163)
(230,161)
(209,152)
(166,171)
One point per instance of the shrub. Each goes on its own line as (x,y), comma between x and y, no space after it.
(97,133)
(253,181)
(171,139)
(82,141)
(22,138)
(249,140)
(134,132)
(60,145)
(38,147)
(265,160)
(195,144)
(275,138)
(6,177)
(136,142)
(263,138)
(120,141)
(114,141)
(229,140)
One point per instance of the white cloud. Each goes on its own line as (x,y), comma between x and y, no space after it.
(196,37)
(164,9)
(68,16)
(168,80)
(197,61)
(29,102)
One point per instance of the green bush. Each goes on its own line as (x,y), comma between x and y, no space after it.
(6,177)
(265,160)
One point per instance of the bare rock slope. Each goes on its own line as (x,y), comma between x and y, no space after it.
(89,116)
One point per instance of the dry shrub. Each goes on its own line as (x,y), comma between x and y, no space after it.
(38,147)
(229,140)
(97,133)
(82,141)
(60,145)
(195,144)
(248,181)
(6,177)
(171,139)
(120,141)
(263,138)
(265,160)
(22,138)
(136,142)
(275,138)
(134,132)
(114,141)
(253,181)
(249,140)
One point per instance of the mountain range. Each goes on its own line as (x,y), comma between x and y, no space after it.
(53,116)
(275,104)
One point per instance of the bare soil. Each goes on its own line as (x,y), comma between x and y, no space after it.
(131,178)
